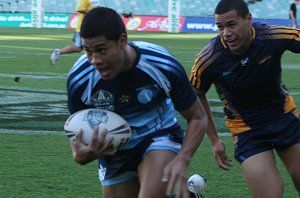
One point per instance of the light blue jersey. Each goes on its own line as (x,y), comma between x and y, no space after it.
(145,96)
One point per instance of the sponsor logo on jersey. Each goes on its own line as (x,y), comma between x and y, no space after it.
(264,59)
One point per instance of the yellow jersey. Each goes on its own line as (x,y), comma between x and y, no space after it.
(82,7)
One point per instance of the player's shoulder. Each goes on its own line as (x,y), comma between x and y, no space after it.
(80,75)
(211,52)
(149,48)
(155,55)
(81,67)
(215,44)
(81,3)
(155,59)
(263,31)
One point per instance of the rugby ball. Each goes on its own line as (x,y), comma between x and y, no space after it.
(88,119)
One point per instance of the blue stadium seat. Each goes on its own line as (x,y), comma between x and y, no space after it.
(271,9)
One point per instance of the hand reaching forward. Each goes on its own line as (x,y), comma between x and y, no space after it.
(175,174)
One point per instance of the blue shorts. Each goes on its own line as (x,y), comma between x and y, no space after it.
(123,165)
(277,135)
(77,40)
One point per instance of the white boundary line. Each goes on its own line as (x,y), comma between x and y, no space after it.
(30,132)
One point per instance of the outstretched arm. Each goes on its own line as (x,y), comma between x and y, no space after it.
(175,173)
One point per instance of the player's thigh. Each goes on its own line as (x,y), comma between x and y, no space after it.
(128,189)
(291,159)
(262,176)
(151,171)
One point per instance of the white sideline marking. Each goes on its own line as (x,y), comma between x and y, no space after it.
(35,76)
(8,57)
(31,132)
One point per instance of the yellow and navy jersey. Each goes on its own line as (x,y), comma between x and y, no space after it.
(146,96)
(249,85)
(82,7)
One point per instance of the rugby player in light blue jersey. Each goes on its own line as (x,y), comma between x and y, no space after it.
(144,84)
(244,63)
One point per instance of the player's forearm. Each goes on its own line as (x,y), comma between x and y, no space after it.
(197,126)
(194,136)
(211,128)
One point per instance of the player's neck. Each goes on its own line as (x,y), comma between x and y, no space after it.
(130,56)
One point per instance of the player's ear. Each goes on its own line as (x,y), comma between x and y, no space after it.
(123,40)
(249,18)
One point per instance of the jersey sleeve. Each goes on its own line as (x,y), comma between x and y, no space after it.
(77,84)
(168,72)
(182,93)
(283,38)
(82,5)
(202,75)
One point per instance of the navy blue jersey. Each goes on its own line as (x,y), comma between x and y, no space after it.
(146,96)
(250,84)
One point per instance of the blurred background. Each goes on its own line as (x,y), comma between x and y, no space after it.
(268,9)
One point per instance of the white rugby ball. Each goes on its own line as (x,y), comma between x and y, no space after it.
(88,119)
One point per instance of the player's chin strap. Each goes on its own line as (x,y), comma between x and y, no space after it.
(158,76)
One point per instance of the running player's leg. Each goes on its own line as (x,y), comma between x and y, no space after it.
(288,147)
(254,150)
(291,159)
(262,176)
(151,171)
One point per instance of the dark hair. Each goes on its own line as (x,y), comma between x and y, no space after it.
(102,21)
(239,6)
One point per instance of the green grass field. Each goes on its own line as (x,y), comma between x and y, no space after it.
(36,159)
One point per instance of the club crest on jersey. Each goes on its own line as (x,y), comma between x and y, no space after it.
(103,99)
(94,118)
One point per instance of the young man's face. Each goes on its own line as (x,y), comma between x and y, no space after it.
(235,31)
(107,56)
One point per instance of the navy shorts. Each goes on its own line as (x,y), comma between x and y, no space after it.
(277,135)
(123,165)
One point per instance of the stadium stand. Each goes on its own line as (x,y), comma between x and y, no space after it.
(268,9)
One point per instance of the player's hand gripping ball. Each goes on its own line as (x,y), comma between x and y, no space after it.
(88,119)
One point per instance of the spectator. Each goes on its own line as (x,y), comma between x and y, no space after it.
(293,14)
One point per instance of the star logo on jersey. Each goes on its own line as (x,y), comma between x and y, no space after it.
(124,98)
